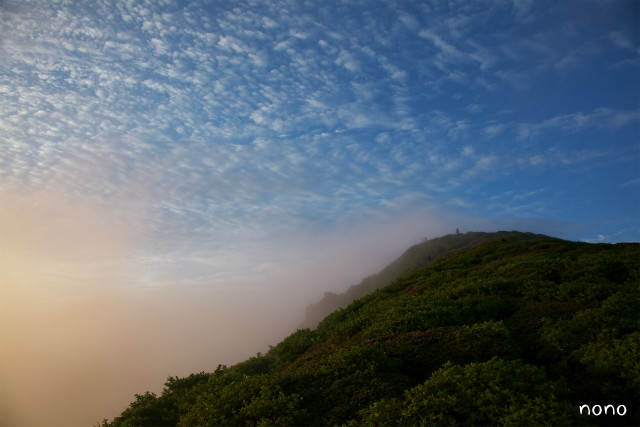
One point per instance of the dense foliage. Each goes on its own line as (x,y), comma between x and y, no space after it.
(519,329)
(413,258)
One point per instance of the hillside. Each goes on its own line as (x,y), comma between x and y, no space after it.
(413,258)
(515,329)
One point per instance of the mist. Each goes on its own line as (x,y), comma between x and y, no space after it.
(88,321)
(76,362)
(93,312)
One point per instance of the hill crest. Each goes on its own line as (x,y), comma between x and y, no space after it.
(416,256)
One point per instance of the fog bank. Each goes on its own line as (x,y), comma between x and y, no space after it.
(96,307)
(92,313)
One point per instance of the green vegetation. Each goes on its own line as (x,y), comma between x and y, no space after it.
(413,258)
(505,329)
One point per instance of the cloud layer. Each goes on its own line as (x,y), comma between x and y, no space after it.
(229,117)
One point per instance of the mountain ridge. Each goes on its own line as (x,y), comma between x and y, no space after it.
(523,332)
(416,256)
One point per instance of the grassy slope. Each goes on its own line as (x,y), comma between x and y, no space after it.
(518,329)
(413,258)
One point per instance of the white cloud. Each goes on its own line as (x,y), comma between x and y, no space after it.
(268,22)
(448,53)
(600,118)
(348,61)
(494,130)
(632,182)
(622,41)
(409,21)
(522,7)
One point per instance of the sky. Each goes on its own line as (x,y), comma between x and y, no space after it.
(178,180)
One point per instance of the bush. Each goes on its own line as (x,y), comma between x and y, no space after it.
(496,392)
(292,346)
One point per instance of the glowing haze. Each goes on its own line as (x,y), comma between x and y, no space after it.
(178,180)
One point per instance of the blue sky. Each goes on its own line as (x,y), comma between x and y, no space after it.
(216,128)
(226,151)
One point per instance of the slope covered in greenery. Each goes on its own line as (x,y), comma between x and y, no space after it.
(413,258)
(517,329)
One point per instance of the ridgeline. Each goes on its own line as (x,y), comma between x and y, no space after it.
(472,329)
(415,257)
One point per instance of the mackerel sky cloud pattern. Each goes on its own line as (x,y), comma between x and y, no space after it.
(217,123)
